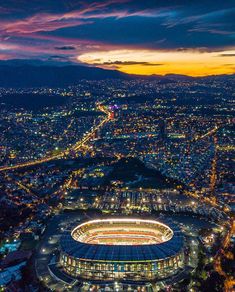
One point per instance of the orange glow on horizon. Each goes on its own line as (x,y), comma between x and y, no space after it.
(149,62)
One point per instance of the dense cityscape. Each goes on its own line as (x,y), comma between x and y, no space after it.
(117,146)
(133,148)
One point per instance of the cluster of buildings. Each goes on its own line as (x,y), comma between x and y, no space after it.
(182,130)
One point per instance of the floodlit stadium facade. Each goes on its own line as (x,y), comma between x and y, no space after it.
(122,249)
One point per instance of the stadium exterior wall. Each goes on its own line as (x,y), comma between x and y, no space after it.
(114,270)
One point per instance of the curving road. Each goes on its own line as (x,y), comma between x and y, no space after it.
(77,146)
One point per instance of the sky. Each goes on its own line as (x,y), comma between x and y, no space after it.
(189,37)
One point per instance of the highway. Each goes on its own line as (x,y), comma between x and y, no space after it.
(64,153)
(213,176)
(211,132)
(229,282)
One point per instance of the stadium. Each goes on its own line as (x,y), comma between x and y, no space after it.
(122,249)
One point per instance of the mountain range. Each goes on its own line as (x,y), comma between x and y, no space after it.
(36,73)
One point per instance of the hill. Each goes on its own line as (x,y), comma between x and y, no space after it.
(52,76)
(36,73)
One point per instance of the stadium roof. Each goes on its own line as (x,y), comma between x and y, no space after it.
(102,252)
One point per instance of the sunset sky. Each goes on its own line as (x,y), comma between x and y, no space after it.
(138,37)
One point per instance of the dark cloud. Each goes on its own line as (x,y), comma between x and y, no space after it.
(150,31)
(66,48)
(130,63)
(57,57)
(226,55)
